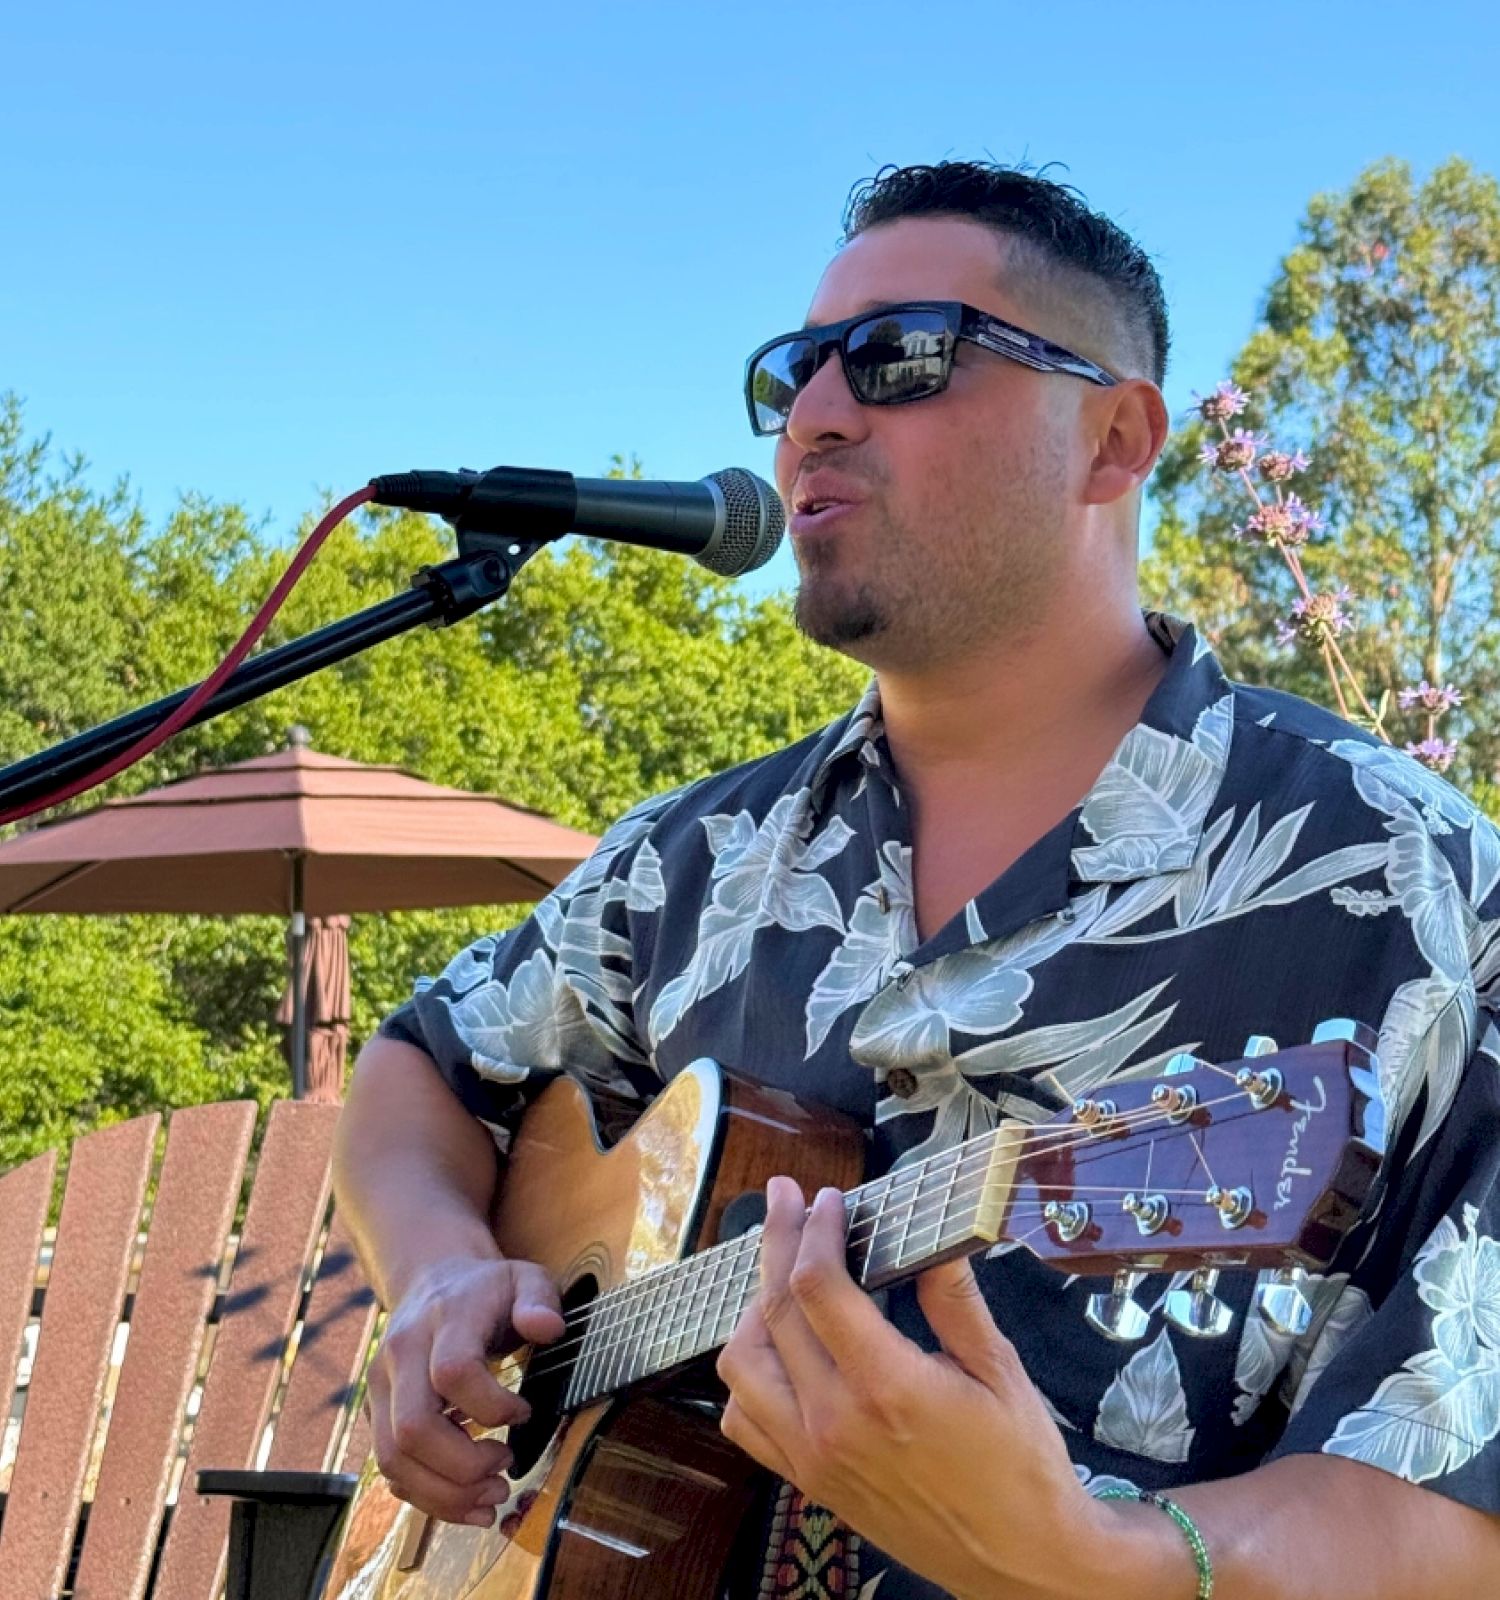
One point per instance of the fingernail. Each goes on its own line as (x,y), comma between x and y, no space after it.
(493,1493)
(481,1519)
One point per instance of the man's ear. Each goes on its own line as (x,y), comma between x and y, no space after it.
(1131,429)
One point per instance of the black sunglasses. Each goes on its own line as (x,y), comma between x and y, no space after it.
(894,355)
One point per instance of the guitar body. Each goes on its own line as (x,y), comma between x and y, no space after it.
(639,1498)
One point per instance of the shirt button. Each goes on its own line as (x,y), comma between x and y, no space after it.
(1067,914)
(883,899)
(901,1083)
(902,973)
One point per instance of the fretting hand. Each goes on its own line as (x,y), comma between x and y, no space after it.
(948,1462)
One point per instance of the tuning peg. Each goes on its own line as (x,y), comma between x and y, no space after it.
(1360,1034)
(1260,1044)
(1197,1309)
(1183,1061)
(1279,1298)
(1117,1315)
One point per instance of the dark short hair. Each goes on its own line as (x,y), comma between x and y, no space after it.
(1052,217)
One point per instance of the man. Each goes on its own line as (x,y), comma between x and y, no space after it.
(1052,844)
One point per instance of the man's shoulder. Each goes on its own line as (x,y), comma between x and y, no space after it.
(1290,743)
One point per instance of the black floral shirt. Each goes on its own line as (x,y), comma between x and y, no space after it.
(1247,864)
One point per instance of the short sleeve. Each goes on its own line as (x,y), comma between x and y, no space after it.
(1404,1373)
(515,1009)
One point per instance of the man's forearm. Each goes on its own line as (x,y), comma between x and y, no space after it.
(1314,1525)
(414,1172)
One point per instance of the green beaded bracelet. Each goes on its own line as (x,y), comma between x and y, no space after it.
(1184,1521)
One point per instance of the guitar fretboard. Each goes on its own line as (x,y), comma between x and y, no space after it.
(895,1226)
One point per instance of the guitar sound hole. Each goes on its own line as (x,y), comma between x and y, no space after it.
(545,1382)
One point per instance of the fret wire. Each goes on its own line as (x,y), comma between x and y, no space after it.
(907,1176)
(671,1339)
(747,1260)
(886,1187)
(716,1260)
(638,1313)
(632,1308)
(650,1336)
(947,1201)
(696,1339)
(911,1205)
(596,1343)
(730,1262)
(610,1309)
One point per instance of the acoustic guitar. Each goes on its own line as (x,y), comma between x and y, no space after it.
(622,1485)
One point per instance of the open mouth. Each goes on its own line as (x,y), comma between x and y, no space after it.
(813,514)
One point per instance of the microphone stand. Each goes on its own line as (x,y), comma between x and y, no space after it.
(439,596)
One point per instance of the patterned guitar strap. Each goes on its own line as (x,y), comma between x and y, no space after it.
(810,1555)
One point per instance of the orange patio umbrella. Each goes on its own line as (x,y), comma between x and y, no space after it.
(298,833)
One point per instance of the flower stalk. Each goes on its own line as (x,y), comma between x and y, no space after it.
(1318,618)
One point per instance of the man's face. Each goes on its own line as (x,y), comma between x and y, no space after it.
(958,507)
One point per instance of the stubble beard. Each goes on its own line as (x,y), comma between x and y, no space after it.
(838,619)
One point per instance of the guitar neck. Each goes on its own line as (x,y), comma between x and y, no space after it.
(897,1226)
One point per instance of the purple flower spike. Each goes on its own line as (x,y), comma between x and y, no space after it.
(1307,520)
(1320,617)
(1287,523)
(1227,401)
(1435,753)
(1432,700)
(1234,453)
(1276,466)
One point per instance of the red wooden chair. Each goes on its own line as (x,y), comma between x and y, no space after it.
(240,1353)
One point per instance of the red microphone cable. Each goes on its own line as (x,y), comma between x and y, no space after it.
(210,685)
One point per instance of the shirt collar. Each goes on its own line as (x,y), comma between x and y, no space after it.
(1146,811)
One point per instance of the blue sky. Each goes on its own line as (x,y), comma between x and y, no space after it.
(267,251)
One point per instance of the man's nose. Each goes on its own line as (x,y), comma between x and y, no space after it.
(825,408)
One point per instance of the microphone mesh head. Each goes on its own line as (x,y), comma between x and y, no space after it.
(754,520)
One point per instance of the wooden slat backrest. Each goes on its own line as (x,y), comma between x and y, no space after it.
(190,1220)
(330,1358)
(282,1223)
(96,1236)
(173,1304)
(24,1196)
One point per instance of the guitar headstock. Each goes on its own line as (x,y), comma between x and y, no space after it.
(1263,1162)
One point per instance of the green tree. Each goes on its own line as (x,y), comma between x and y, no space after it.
(1378,352)
(607,674)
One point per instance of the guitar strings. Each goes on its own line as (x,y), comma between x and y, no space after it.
(612,1312)
(607,1348)
(1101,1141)
(632,1306)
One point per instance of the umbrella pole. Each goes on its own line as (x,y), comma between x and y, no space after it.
(299,989)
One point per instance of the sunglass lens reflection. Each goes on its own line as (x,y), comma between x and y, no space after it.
(899,356)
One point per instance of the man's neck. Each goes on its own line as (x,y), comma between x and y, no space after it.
(1026,704)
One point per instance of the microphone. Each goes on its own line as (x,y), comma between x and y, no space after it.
(729,522)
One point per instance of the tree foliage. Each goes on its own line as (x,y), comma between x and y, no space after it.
(608,673)
(1378,352)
